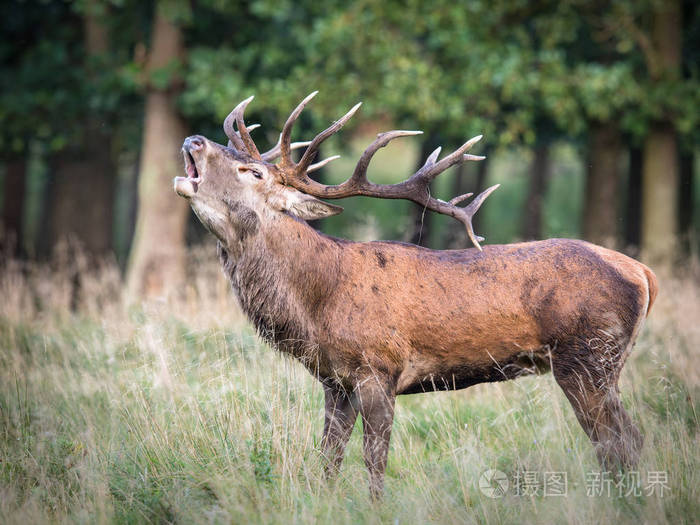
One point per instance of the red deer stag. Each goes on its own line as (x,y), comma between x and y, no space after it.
(372,320)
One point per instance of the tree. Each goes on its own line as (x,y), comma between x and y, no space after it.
(540,172)
(662,48)
(665,110)
(30,75)
(12,220)
(63,100)
(685,203)
(621,62)
(602,184)
(633,203)
(156,263)
(81,196)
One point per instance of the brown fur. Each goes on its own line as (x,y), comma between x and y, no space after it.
(378,319)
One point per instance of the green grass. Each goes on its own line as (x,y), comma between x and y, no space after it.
(175,412)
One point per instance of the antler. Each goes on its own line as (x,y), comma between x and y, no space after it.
(304,165)
(273,153)
(241,140)
(416,188)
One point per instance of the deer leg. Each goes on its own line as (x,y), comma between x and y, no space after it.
(339,421)
(376,405)
(590,385)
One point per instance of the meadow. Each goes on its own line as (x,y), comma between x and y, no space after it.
(175,411)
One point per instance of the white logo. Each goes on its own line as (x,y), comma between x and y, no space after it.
(493,484)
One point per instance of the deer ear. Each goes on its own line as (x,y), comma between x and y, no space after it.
(305,206)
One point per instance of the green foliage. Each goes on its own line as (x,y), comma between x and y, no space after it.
(49,85)
(519,73)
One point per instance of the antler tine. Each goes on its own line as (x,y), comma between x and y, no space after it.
(360,173)
(432,157)
(460,198)
(465,214)
(474,157)
(429,172)
(243,132)
(432,169)
(308,156)
(272,154)
(286,135)
(250,128)
(234,139)
(321,164)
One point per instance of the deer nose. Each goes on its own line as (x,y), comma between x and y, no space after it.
(193,143)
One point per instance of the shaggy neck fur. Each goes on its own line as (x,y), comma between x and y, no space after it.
(274,272)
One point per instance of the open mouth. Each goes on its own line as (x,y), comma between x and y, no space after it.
(188,186)
(191,168)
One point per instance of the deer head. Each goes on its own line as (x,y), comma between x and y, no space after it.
(233,187)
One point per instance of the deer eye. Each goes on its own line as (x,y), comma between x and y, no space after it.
(249,169)
(257,174)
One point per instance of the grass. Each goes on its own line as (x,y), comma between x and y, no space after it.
(175,412)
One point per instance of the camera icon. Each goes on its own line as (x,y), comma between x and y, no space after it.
(493,483)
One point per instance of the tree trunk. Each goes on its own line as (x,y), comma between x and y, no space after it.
(11,222)
(81,198)
(633,216)
(659,197)
(600,206)
(421,219)
(660,171)
(685,202)
(83,177)
(539,177)
(157,258)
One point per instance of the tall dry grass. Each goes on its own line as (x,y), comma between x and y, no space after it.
(174,411)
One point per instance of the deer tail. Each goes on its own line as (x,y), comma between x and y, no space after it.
(653,284)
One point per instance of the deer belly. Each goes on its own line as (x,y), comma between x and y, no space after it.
(446,375)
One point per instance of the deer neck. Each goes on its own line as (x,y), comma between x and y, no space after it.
(283,277)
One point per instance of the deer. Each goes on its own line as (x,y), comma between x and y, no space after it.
(375,320)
